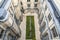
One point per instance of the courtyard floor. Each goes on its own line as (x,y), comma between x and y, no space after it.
(23,26)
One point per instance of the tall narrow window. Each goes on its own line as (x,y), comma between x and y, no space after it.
(28,0)
(54,32)
(45,7)
(21,3)
(1,32)
(22,9)
(43,0)
(45,36)
(36,0)
(35,5)
(28,5)
(49,17)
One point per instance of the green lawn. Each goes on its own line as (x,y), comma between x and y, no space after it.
(30,28)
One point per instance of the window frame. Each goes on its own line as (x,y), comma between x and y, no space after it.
(49,17)
(54,32)
(36,0)
(35,5)
(28,5)
(28,0)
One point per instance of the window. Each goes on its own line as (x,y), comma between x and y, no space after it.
(49,17)
(22,9)
(28,5)
(56,12)
(54,32)
(21,3)
(43,26)
(45,37)
(36,0)
(1,32)
(11,37)
(45,7)
(28,0)
(35,5)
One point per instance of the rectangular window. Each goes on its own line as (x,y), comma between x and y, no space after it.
(45,37)
(35,5)
(22,9)
(43,26)
(56,12)
(21,3)
(54,32)
(43,0)
(45,7)
(28,0)
(28,5)
(36,0)
(1,32)
(49,17)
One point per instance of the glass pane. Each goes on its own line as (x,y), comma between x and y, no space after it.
(28,5)
(36,0)
(28,0)
(35,5)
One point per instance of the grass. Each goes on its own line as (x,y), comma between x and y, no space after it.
(28,30)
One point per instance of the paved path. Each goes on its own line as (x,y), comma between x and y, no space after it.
(23,27)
